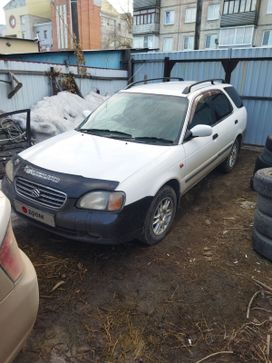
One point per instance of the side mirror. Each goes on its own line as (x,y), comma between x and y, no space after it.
(201,131)
(86,113)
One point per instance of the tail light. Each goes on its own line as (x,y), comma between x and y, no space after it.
(10,258)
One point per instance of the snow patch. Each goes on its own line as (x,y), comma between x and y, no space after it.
(56,114)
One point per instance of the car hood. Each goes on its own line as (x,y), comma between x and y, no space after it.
(92,156)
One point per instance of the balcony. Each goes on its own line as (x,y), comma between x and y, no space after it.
(145,4)
(239,13)
(146,29)
(248,18)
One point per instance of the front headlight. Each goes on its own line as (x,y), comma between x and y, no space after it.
(9,170)
(100,200)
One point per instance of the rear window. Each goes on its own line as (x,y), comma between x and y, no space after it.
(231,91)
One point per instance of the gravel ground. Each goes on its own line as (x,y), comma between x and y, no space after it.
(179,301)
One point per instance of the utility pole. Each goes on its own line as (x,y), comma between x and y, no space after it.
(198,23)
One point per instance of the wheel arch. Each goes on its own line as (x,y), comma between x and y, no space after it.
(240,139)
(173,183)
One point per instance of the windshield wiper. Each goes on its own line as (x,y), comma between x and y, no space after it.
(154,139)
(106,132)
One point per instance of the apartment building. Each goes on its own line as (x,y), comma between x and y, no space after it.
(146,23)
(183,21)
(210,24)
(22,15)
(116,29)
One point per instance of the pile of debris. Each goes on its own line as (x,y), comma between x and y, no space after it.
(49,117)
(13,137)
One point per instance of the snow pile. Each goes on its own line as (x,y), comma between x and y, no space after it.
(63,112)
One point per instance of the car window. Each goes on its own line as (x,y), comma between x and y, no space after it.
(140,116)
(210,108)
(204,114)
(221,106)
(231,91)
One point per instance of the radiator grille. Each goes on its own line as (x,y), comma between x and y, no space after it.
(40,194)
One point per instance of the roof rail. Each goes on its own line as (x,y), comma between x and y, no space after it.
(188,89)
(164,79)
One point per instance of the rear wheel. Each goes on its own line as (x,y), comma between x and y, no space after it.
(231,160)
(160,216)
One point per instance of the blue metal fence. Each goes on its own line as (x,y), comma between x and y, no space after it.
(249,70)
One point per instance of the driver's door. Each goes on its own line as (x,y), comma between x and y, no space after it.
(200,152)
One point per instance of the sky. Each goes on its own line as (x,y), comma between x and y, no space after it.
(121,5)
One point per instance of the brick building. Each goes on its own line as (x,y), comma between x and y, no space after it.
(80,18)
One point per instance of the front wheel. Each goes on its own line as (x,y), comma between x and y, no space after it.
(160,216)
(231,160)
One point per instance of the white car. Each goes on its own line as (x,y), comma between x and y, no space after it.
(121,173)
(19,293)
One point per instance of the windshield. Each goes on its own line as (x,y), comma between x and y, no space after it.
(147,118)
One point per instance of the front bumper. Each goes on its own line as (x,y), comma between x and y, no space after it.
(18,313)
(89,226)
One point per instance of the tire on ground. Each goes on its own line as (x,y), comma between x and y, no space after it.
(148,237)
(226,166)
(267,156)
(262,244)
(263,224)
(264,205)
(262,182)
(261,164)
(268,143)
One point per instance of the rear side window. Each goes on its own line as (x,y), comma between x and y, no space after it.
(231,91)
(211,108)
(221,106)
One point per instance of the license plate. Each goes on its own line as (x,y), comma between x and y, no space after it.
(36,214)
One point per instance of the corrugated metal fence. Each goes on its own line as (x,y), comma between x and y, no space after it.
(249,70)
(36,82)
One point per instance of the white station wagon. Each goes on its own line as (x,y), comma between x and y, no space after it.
(121,173)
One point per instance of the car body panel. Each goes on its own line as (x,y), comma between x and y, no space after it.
(138,169)
(18,312)
(19,300)
(92,156)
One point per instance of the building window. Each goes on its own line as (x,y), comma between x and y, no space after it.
(269,7)
(146,41)
(240,36)
(145,17)
(267,38)
(211,41)
(167,44)
(38,35)
(23,35)
(45,34)
(213,12)
(239,6)
(23,20)
(188,42)
(190,15)
(169,17)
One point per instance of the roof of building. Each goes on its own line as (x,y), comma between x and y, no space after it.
(20,39)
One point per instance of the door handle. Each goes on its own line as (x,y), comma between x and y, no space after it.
(236,122)
(215,136)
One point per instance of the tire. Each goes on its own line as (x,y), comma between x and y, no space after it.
(263,224)
(268,143)
(231,160)
(262,182)
(267,156)
(262,244)
(264,205)
(153,232)
(261,164)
